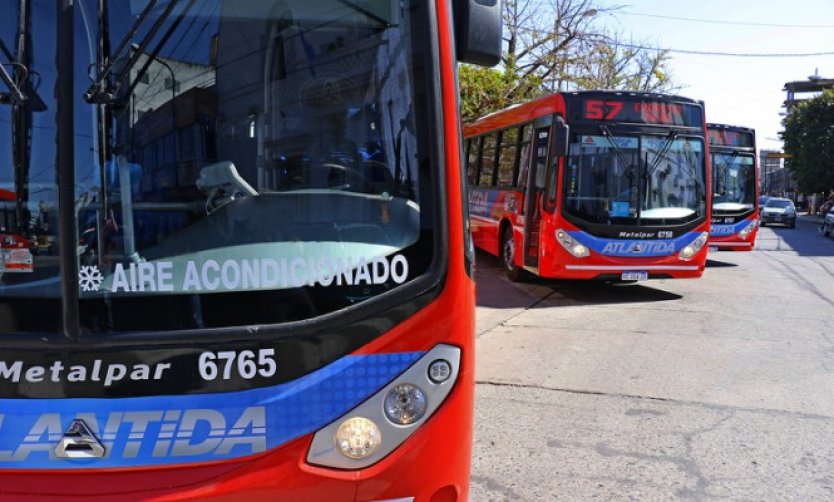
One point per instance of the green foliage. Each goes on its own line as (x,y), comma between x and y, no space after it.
(557,45)
(486,90)
(809,139)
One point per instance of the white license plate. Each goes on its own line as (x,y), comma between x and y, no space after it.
(634,276)
(713,248)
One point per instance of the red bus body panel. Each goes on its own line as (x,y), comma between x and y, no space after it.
(554,261)
(431,465)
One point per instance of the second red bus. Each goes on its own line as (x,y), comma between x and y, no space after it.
(592,185)
(735,175)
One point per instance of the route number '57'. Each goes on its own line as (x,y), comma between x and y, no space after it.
(245,363)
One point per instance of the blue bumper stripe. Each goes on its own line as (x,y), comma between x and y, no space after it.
(634,248)
(170,430)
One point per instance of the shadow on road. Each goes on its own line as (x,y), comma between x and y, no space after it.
(494,290)
(805,239)
(604,293)
(720,264)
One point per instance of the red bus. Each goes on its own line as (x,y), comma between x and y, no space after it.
(273,296)
(735,187)
(15,254)
(592,185)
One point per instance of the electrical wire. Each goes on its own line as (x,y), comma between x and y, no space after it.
(733,23)
(695,52)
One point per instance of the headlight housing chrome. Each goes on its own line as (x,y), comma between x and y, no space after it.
(691,250)
(368,433)
(571,246)
(746,231)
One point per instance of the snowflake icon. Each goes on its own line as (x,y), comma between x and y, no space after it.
(89,278)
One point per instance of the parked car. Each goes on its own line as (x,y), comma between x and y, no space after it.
(828,224)
(779,210)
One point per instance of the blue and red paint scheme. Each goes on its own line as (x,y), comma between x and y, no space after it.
(492,210)
(432,465)
(735,230)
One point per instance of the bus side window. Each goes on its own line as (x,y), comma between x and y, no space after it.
(541,158)
(473,148)
(524,162)
(507,157)
(552,171)
(488,154)
(523,140)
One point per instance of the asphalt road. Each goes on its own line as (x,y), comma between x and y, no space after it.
(714,388)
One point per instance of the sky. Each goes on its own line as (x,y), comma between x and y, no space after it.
(745,91)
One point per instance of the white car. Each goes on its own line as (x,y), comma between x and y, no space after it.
(778,210)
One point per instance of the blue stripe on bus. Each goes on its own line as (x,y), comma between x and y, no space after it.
(634,248)
(727,230)
(170,430)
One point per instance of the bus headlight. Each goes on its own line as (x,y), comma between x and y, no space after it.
(689,251)
(384,421)
(571,246)
(745,232)
(358,437)
(405,404)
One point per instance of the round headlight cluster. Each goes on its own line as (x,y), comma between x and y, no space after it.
(405,404)
(358,437)
(440,371)
(569,243)
(745,232)
(689,251)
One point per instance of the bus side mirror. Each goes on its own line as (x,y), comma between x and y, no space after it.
(478,26)
(561,131)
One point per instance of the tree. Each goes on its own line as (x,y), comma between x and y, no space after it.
(554,45)
(809,139)
(625,66)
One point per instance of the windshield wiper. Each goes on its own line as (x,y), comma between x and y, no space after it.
(721,169)
(15,96)
(670,139)
(617,152)
(103,90)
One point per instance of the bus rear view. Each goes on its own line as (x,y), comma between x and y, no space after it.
(735,182)
(248,272)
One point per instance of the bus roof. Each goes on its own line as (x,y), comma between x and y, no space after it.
(555,103)
(516,114)
(731,127)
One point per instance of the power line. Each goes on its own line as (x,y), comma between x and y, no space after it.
(729,54)
(734,23)
(693,52)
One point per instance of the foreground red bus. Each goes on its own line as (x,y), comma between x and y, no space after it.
(259,283)
(735,187)
(592,185)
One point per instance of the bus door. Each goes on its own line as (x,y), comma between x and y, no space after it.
(533,198)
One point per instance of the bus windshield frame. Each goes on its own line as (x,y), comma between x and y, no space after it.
(643,180)
(388,172)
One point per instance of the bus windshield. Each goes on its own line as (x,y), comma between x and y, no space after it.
(635,180)
(734,182)
(246,161)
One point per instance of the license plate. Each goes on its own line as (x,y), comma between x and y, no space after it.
(634,276)
(713,248)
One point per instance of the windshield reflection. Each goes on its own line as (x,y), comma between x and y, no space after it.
(635,180)
(734,182)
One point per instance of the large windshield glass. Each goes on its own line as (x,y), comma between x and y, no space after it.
(237,162)
(635,180)
(734,182)
(29,283)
